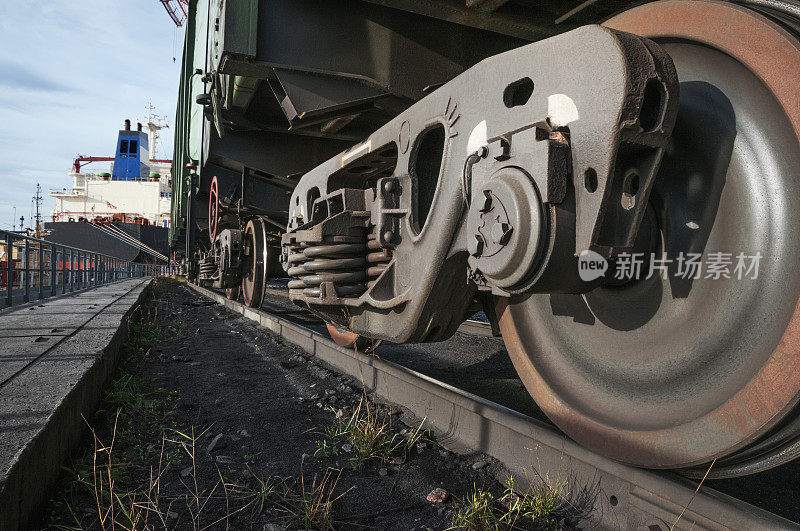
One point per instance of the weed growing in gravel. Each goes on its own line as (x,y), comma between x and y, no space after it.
(315,501)
(130,415)
(114,506)
(478,510)
(541,502)
(326,448)
(297,504)
(117,504)
(270,494)
(536,508)
(367,434)
(145,329)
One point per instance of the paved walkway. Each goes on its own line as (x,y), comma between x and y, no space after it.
(55,358)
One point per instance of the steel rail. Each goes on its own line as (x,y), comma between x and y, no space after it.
(614,495)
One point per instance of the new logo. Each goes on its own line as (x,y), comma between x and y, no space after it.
(591,266)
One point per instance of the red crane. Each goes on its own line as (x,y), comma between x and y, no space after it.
(177,10)
(81,161)
(76,165)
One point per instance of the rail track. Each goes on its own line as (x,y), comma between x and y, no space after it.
(613,495)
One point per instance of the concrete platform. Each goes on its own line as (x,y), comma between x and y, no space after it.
(55,359)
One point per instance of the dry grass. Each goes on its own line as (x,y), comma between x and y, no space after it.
(314,502)
(117,508)
(303,503)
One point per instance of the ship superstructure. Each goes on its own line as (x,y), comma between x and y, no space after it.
(137,189)
(123,212)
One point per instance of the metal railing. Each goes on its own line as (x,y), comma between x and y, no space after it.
(32,269)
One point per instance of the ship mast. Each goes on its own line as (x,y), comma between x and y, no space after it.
(37,200)
(154,124)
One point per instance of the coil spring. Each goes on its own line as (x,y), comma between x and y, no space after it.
(351,267)
(378,259)
(208,266)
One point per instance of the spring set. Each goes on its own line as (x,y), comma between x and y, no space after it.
(208,266)
(352,267)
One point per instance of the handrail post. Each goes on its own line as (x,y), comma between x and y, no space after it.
(9,269)
(52,269)
(71,271)
(41,270)
(27,270)
(63,270)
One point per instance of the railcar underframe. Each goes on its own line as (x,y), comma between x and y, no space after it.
(407,164)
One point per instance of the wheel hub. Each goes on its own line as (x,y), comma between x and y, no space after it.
(505,227)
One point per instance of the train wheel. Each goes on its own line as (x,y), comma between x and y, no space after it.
(347,339)
(213,209)
(255,263)
(673,373)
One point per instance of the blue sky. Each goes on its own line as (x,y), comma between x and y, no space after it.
(71,71)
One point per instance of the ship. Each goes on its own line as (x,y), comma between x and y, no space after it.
(123,212)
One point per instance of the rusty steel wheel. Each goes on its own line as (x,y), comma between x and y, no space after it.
(347,339)
(256,260)
(672,373)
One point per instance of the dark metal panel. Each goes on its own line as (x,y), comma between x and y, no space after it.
(485,6)
(307,97)
(241,27)
(399,51)
(281,154)
(455,11)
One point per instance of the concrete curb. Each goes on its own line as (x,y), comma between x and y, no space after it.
(623,497)
(93,353)
(47,298)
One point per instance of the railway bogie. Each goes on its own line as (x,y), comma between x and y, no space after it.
(404,168)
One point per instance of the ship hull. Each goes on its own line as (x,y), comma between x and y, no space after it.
(91,238)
